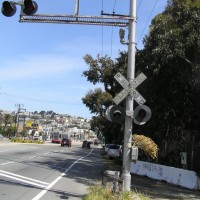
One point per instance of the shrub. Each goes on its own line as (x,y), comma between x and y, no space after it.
(21,140)
(98,192)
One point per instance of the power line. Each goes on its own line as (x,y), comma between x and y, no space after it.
(112,30)
(36,100)
(139,5)
(102,38)
(114,6)
(147,20)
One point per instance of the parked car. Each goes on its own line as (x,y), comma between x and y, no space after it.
(107,147)
(85,143)
(114,151)
(66,142)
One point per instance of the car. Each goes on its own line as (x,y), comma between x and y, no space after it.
(86,143)
(114,151)
(66,142)
(107,147)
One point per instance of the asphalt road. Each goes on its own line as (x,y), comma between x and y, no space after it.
(46,172)
(51,172)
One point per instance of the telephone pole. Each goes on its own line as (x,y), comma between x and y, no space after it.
(129,99)
(17,114)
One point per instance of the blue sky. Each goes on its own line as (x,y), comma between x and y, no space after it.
(41,65)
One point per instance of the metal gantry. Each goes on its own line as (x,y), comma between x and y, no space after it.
(120,21)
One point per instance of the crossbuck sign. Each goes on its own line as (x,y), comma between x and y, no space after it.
(129,88)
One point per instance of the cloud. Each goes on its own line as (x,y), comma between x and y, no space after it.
(37,66)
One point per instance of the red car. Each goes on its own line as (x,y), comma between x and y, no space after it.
(66,142)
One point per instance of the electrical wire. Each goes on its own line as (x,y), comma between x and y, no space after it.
(139,5)
(111,43)
(102,31)
(114,6)
(147,21)
(34,100)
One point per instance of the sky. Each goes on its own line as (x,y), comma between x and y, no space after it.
(41,64)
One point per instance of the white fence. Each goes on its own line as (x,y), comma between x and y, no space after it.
(185,178)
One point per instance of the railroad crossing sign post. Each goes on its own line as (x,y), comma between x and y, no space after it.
(126,176)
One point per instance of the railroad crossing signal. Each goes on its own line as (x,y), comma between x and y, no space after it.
(30,7)
(115,114)
(129,88)
(8,8)
(142,114)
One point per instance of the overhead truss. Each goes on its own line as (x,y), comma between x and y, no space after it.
(121,21)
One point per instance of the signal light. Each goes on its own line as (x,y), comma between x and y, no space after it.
(141,114)
(30,7)
(8,8)
(115,114)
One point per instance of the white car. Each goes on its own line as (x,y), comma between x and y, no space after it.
(114,151)
(107,147)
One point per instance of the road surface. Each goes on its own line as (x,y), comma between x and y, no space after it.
(46,172)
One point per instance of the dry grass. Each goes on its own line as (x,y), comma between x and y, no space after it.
(105,193)
(146,144)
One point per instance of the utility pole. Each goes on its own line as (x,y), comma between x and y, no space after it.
(129,100)
(17,114)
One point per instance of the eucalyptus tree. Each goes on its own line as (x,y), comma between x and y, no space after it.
(171,61)
(102,70)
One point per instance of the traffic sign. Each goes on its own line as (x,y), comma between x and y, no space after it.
(121,96)
(129,88)
(121,80)
(137,81)
(137,96)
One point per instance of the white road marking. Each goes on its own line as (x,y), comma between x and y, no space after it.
(7,163)
(24,179)
(32,157)
(43,192)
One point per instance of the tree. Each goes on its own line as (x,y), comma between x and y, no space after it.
(97,101)
(171,61)
(102,70)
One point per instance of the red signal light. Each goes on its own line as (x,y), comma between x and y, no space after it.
(142,113)
(8,8)
(30,7)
